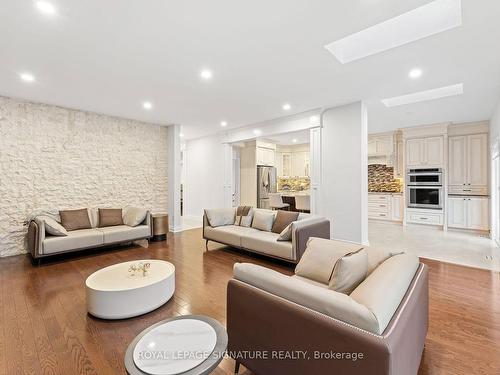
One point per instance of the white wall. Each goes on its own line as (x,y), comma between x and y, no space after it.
(344,182)
(495,124)
(208,169)
(56,158)
(495,174)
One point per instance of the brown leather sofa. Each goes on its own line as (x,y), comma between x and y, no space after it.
(279,324)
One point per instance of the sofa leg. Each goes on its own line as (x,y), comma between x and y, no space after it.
(236,367)
(206,245)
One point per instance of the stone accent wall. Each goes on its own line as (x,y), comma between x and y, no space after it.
(51,157)
(381,179)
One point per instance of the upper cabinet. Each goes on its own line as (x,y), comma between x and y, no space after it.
(399,167)
(380,145)
(300,163)
(265,156)
(293,161)
(468,164)
(425,152)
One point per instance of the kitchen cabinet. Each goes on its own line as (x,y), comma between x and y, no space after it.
(385,206)
(380,145)
(428,152)
(468,164)
(468,213)
(265,156)
(397,207)
(422,216)
(399,167)
(300,163)
(284,163)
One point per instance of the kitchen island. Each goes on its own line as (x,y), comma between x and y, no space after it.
(288,196)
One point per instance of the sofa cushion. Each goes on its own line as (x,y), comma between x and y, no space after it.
(320,257)
(267,243)
(121,233)
(53,227)
(376,256)
(133,216)
(349,271)
(218,217)
(382,291)
(283,219)
(75,219)
(76,239)
(228,234)
(94,217)
(109,217)
(263,220)
(337,305)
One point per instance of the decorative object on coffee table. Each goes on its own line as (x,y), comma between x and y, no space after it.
(115,292)
(187,345)
(160,227)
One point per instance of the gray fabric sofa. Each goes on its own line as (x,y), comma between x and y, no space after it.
(42,244)
(265,242)
(384,320)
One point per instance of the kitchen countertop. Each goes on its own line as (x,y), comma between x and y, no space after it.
(386,192)
(291,193)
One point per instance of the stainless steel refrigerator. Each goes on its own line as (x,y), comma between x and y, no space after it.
(266,184)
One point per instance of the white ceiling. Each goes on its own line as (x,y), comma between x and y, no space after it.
(110,56)
(286,139)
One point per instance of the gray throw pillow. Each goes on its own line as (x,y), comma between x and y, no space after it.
(53,227)
(110,217)
(218,217)
(75,219)
(349,271)
(133,216)
(263,220)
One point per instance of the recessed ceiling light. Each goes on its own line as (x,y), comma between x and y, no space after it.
(223,124)
(415,73)
(287,106)
(45,7)
(294,140)
(432,18)
(313,119)
(257,132)
(27,77)
(147,105)
(181,135)
(206,74)
(422,96)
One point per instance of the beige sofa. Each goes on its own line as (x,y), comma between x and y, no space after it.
(42,244)
(265,242)
(384,320)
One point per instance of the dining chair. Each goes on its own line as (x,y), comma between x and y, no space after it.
(303,203)
(276,202)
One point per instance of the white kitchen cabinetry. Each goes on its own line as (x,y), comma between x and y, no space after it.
(380,145)
(300,163)
(468,213)
(399,167)
(265,156)
(468,164)
(425,152)
(284,163)
(385,206)
(424,216)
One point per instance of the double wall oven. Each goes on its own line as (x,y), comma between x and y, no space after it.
(424,188)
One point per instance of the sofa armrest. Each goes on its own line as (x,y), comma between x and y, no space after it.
(36,235)
(302,230)
(149,222)
(260,322)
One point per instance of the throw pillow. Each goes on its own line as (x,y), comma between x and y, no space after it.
(218,217)
(244,216)
(320,257)
(133,216)
(283,219)
(263,220)
(75,219)
(109,217)
(53,227)
(286,234)
(349,271)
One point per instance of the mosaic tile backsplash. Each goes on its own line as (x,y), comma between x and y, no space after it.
(293,183)
(381,179)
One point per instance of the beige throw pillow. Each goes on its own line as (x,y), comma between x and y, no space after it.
(320,257)
(263,220)
(349,271)
(75,219)
(286,234)
(53,227)
(133,216)
(244,216)
(218,217)
(110,217)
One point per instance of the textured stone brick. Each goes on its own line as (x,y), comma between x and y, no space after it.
(52,157)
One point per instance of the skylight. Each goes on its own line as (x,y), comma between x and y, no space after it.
(427,20)
(423,96)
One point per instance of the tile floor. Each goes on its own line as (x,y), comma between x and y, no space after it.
(457,247)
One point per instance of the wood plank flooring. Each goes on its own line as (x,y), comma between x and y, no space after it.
(45,328)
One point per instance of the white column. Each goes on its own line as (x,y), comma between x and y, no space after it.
(343,196)
(315,168)
(174,178)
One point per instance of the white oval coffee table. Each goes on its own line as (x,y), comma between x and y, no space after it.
(115,293)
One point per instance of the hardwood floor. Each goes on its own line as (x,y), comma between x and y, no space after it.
(45,328)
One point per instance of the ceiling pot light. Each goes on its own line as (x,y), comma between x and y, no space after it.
(294,140)
(415,73)
(27,77)
(181,135)
(206,74)
(313,119)
(45,7)
(223,124)
(147,105)
(287,107)
(257,132)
